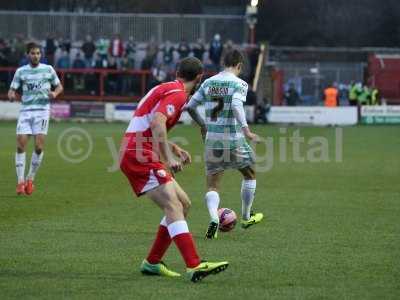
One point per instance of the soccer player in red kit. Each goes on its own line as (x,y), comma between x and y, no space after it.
(148,160)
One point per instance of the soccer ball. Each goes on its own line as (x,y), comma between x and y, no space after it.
(227,219)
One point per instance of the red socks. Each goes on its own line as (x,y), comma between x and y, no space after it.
(183,239)
(179,232)
(160,245)
(187,248)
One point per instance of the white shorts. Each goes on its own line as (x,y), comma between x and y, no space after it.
(33,122)
(218,160)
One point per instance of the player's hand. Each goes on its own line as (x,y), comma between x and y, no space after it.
(12,96)
(185,157)
(174,165)
(253,137)
(52,95)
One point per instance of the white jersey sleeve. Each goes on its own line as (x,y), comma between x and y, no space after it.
(55,81)
(240,92)
(16,82)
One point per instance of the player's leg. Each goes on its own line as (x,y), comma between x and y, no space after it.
(212,201)
(166,197)
(36,160)
(247,194)
(40,127)
(183,198)
(20,159)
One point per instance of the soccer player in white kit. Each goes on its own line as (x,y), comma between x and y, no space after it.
(35,80)
(225,122)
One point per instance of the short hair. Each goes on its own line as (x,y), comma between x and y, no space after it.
(233,58)
(189,68)
(31,46)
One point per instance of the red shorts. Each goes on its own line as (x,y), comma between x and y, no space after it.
(143,177)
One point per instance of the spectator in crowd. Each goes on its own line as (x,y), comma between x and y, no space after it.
(152,50)
(103,54)
(102,46)
(127,80)
(331,96)
(216,50)
(65,44)
(3,53)
(159,75)
(209,66)
(130,52)
(19,46)
(63,61)
(114,81)
(50,49)
(364,96)
(199,49)
(13,57)
(88,49)
(292,97)
(167,54)
(228,47)
(183,49)
(354,91)
(375,96)
(99,62)
(116,49)
(78,62)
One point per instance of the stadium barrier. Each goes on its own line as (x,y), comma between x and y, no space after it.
(123,112)
(386,114)
(105,85)
(313,115)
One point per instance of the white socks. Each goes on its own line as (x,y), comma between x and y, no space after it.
(212,202)
(20,166)
(36,160)
(20,159)
(177,228)
(248,190)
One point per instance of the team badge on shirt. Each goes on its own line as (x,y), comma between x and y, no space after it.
(161,173)
(170,109)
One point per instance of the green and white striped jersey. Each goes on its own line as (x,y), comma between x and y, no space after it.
(217,94)
(36,84)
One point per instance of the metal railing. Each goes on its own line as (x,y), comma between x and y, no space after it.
(93,84)
(142,27)
(103,85)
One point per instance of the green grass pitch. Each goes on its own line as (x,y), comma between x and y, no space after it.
(331,229)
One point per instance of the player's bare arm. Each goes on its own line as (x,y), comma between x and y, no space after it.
(12,95)
(57,91)
(159,131)
(184,155)
(191,108)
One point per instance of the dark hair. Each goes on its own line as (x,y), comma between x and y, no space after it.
(189,68)
(31,46)
(233,58)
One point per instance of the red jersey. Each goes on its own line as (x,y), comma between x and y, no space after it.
(166,98)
